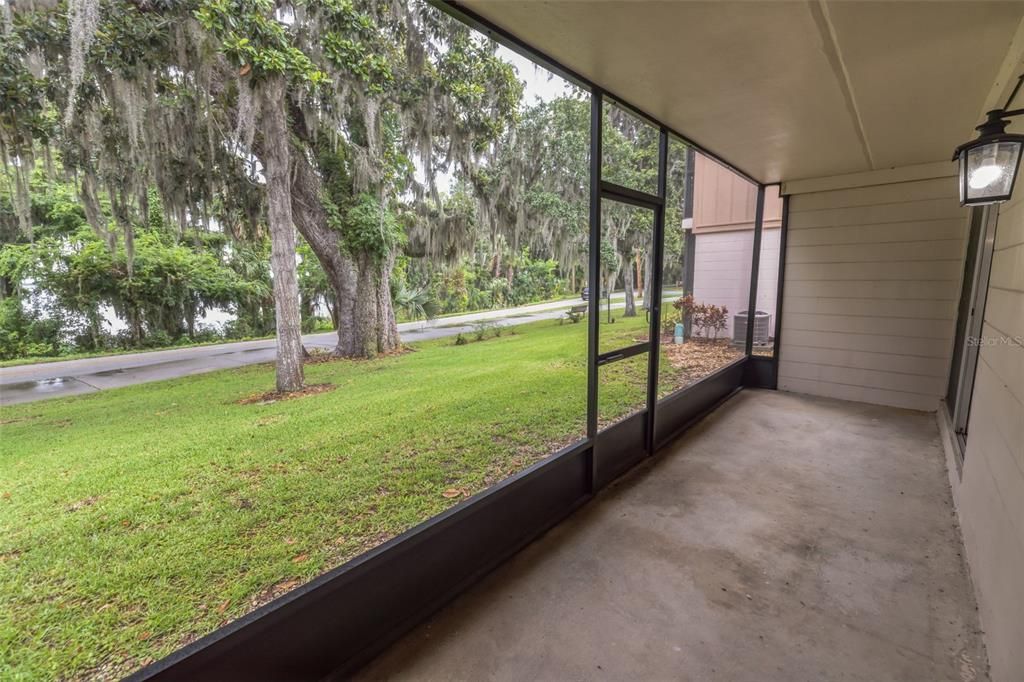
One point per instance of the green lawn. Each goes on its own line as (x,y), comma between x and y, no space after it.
(134,520)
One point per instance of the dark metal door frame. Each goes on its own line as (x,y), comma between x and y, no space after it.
(619,445)
(657,286)
(988,219)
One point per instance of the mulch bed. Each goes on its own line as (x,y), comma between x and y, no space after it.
(698,358)
(274,396)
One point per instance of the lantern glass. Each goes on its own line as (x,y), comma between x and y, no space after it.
(987,171)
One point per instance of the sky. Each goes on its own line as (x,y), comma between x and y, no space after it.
(540,83)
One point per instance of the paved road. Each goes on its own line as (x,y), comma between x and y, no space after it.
(27,383)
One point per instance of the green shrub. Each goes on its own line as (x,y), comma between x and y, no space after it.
(484,327)
(25,333)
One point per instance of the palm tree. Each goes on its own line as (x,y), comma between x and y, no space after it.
(414,303)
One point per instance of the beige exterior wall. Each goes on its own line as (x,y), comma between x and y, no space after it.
(724,201)
(872,279)
(990,492)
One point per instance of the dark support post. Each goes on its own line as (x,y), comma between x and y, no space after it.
(689,263)
(689,238)
(594,277)
(754,263)
(691,162)
(656,275)
(783,230)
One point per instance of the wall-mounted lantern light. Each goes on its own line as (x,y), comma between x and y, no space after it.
(989,164)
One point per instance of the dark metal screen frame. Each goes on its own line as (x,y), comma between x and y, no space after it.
(755,263)
(780,289)
(763,371)
(621,445)
(330,626)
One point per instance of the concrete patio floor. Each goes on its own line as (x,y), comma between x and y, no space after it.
(783,538)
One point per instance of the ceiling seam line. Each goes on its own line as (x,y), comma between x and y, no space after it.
(830,45)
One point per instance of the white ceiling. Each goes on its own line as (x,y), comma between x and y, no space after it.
(788,90)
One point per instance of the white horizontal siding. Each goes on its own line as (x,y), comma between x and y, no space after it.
(949,228)
(721,273)
(879,214)
(901,290)
(991,491)
(1008,268)
(919,250)
(932,272)
(928,309)
(920,365)
(876,195)
(872,278)
(1004,357)
(899,346)
(1004,311)
(877,325)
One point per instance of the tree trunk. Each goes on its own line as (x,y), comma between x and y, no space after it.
(135,325)
(627,284)
(361,284)
(332,310)
(363,310)
(640,276)
(325,242)
(648,287)
(94,328)
(276,148)
(307,312)
(496,263)
(607,287)
(374,329)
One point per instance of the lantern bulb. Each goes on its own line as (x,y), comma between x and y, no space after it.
(983,176)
